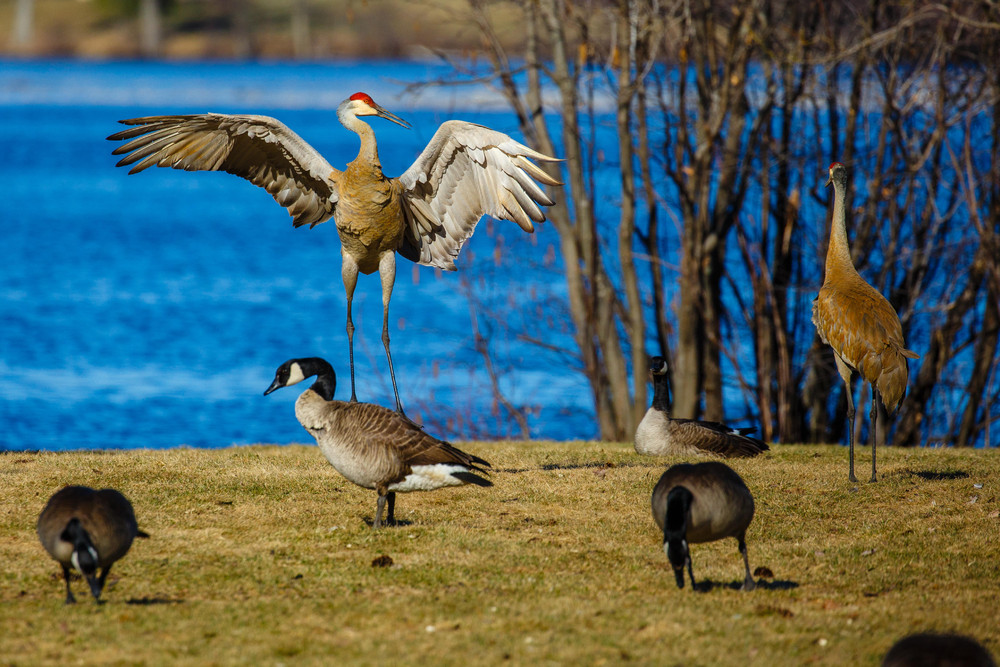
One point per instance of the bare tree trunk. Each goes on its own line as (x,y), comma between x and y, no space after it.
(150,28)
(628,84)
(984,362)
(301,38)
(22,31)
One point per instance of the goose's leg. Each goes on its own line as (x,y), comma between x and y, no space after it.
(349,273)
(694,586)
(387,272)
(97,584)
(874,421)
(748,583)
(69,593)
(845,373)
(379,507)
(390,518)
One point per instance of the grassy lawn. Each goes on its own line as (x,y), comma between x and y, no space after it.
(263,555)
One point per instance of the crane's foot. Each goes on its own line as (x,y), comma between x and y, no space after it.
(852,478)
(873,479)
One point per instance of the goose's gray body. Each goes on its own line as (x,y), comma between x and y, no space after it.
(658,434)
(372,446)
(701,502)
(86,529)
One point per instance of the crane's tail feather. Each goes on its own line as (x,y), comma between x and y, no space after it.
(891,383)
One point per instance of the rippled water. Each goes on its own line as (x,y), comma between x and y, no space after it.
(152,310)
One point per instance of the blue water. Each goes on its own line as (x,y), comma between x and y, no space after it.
(151,310)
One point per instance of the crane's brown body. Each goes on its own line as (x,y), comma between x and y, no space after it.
(369,214)
(854,319)
(106,516)
(426,214)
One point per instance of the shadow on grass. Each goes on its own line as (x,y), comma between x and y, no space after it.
(146,602)
(397,523)
(589,465)
(707,585)
(935,476)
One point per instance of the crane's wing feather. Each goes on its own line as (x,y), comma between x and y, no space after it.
(260,149)
(465,172)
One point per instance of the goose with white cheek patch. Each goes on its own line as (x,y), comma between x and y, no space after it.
(84,529)
(701,502)
(659,434)
(374,447)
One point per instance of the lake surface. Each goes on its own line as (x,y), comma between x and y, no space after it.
(152,310)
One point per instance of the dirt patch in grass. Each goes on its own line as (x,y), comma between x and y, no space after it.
(263,555)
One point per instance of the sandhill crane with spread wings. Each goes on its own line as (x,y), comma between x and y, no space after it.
(426,214)
(859,324)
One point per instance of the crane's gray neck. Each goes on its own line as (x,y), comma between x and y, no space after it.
(838,254)
(661,392)
(368,153)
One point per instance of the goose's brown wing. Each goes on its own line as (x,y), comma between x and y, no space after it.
(718,438)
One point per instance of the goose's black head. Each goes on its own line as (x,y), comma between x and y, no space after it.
(294,371)
(675,531)
(657,365)
(85,558)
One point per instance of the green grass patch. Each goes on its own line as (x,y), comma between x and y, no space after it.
(263,555)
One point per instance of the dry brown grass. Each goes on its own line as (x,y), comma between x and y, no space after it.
(262,555)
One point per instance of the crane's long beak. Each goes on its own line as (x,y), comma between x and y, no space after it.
(829,179)
(382,113)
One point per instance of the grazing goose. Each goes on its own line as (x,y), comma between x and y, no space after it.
(937,650)
(701,502)
(87,529)
(658,434)
(373,446)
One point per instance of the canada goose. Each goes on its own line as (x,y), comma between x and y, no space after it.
(373,446)
(859,324)
(659,434)
(701,502)
(87,529)
(937,650)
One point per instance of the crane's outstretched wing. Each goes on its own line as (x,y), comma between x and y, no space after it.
(465,172)
(262,150)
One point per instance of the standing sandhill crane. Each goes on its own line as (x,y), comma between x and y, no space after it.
(858,323)
(426,214)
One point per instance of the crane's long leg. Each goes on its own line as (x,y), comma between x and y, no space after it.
(874,421)
(387,272)
(349,273)
(845,373)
